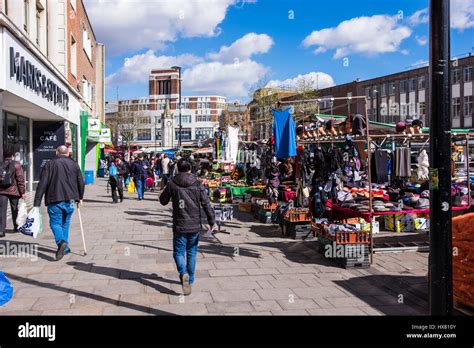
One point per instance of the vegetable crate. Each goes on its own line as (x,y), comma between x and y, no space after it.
(297,230)
(298,215)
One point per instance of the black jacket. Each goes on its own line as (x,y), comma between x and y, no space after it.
(61,180)
(188,196)
(138,170)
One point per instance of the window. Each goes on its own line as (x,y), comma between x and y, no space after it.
(185,133)
(203,118)
(468,73)
(384,89)
(468,103)
(391,88)
(87,91)
(144,134)
(411,84)
(421,82)
(421,109)
(39,9)
(73,4)
(403,86)
(26,14)
(203,133)
(455,108)
(144,120)
(87,43)
(157,134)
(367,92)
(184,119)
(455,76)
(73,60)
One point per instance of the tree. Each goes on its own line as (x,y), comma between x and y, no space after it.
(305,87)
(124,124)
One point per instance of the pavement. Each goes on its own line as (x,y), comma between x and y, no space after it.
(253,270)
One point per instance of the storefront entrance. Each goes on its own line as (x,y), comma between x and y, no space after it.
(16,139)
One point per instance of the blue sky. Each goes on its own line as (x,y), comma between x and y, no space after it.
(228,46)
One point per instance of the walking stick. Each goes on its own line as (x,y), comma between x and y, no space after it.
(82,229)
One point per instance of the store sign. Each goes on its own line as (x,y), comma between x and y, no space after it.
(105,135)
(47,136)
(93,126)
(30,76)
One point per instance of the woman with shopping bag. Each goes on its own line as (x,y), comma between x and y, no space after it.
(12,188)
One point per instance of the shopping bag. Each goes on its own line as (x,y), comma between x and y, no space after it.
(22,213)
(131,187)
(6,289)
(34,223)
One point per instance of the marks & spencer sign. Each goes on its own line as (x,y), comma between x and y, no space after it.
(26,73)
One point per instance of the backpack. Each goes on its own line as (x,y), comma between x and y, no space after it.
(113,170)
(7,171)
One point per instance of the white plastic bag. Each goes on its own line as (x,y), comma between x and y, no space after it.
(22,213)
(34,223)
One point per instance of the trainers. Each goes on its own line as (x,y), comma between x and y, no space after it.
(186,285)
(61,250)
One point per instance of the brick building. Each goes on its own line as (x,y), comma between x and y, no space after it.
(237,113)
(200,115)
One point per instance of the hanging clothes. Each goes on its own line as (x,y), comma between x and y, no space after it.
(402,162)
(232,143)
(284,131)
(380,166)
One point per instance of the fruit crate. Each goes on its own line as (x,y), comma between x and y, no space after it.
(352,257)
(272,207)
(298,230)
(298,215)
(343,237)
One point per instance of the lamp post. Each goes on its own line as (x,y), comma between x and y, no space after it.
(179,105)
(156,118)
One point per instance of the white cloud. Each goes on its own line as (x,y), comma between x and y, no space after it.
(422,40)
(462,14)
(136,69)
(223,79)
(128,25)
(419,17)
(244,48)
(362,35)
(318,79)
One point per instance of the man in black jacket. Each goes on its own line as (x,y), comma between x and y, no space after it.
(139,170)
(116,181)
(62,184)
(188,196)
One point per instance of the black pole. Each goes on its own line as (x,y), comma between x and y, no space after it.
(440,260)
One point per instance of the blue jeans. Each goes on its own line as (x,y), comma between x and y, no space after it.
(140,184)
(185,247)
(60,214)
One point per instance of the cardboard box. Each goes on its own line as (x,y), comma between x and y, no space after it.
(400,222)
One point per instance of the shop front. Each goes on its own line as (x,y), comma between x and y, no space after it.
(37,108)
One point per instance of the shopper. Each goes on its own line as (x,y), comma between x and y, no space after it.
(117,171)
(188,196)
(61,183)
(12,188)
(140,174)
(165,168)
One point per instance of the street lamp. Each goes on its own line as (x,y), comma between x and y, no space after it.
(179,78)
(156,120)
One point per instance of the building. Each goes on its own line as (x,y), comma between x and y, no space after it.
(237,113)
(40,107)
(403,95)
(199,114)
(260,117)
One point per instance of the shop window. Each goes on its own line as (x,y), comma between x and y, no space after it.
(203,133)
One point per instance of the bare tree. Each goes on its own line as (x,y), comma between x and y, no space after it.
(305,87)
(125,124)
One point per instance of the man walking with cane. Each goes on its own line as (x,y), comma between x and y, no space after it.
(188,196)
(62,185)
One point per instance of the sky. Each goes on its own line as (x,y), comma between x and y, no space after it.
(229,47)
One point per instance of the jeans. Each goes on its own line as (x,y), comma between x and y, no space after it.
(140,184)
(3,211)
(185,247)
(60,214)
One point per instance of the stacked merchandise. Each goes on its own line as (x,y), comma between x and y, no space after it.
(463,264)
(297,223)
